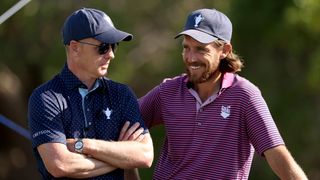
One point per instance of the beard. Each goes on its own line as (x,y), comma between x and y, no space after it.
(204,77)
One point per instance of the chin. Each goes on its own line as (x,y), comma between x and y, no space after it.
(194,78)
(198,79)
(102,70)
(102,73)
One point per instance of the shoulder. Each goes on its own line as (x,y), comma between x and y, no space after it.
(244,85)
(51,89)
(115,85)
(174,82)
(116,88)
(169,88)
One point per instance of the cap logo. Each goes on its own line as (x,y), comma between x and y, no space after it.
(197,20)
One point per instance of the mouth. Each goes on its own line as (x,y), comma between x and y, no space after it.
(105,63)
(104,66)
(195,67)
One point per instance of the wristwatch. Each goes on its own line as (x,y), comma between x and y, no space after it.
(78,146)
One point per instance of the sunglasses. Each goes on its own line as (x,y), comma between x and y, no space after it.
(103,47)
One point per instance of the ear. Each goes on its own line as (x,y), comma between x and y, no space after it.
(74,47)
(226,50)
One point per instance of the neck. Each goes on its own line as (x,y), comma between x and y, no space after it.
(85,79)
(208,88)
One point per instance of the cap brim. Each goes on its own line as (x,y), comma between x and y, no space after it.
(198,35)
(113,36)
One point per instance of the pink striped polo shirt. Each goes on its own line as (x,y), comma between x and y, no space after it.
(218,140)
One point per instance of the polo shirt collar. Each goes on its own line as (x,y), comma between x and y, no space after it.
(71,81)
(227,81)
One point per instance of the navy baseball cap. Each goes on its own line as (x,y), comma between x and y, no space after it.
(92,23)
(207,25)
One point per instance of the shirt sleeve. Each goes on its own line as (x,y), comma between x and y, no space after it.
(262,130)
(150,106)
(131,110)
(45,118)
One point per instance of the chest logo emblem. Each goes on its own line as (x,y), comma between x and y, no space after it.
(107,112)
(225,111)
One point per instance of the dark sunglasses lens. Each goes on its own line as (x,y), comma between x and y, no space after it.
(104,48)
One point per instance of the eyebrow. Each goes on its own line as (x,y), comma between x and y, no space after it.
(201,48)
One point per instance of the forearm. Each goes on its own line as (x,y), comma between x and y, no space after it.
(283,164)
(60,162)
(122,154)
(86,168)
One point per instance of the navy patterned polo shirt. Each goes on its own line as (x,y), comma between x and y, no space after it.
(58,111)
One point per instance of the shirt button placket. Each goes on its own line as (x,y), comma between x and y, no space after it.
(87,114)
(199,123)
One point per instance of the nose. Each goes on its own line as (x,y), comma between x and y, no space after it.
(193,59)
(190,57)
(109,54)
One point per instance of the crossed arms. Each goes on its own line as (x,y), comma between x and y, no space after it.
(133,150)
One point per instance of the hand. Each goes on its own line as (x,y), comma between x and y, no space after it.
(134,133)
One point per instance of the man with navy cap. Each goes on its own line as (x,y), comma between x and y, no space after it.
(82,124)
(214,119)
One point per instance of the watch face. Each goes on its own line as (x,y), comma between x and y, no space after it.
(78,145)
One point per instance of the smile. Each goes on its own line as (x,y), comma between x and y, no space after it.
(194,67)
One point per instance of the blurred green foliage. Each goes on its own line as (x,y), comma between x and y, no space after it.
(279,41)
